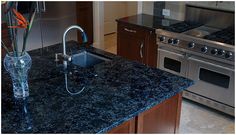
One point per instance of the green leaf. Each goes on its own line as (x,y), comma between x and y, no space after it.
(31,21)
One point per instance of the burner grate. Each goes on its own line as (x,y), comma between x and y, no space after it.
(182,26)
(224,36)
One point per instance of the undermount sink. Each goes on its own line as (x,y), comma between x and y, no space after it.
(87,59)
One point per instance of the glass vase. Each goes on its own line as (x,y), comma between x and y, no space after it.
(18,68)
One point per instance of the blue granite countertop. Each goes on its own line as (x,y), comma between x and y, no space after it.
(115,92)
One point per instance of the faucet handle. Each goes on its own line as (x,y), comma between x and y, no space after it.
(67,57)
(60,56)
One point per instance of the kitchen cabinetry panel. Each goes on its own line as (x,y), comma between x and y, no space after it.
(131,44)
(137,43)
(127,127)
(162,118)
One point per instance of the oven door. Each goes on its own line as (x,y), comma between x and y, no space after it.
(212,80)
(171,61)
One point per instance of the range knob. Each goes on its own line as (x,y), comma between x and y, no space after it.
(228,55)
(214,51)
(170,41)
(221,52)
(162,38)
(204,49)
(191,45)
(176,41)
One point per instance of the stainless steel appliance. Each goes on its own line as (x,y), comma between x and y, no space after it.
(204,53)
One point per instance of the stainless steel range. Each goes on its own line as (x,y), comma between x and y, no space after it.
(202,50)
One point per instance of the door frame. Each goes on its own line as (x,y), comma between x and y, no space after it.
(98,22)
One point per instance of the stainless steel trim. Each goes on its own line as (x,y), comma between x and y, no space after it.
(208,102)
(185,37)
(188,56)
(199,59)
(199,43)
(210,17)
(141,50)
(129,30)
(163,52)
(207,89)
(229,64)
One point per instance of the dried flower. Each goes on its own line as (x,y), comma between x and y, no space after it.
(21,21)
(16,21)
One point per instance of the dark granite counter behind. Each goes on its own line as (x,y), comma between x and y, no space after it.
(115,91)
(148,21)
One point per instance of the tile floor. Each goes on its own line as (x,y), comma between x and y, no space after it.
(110,43)
(195,118)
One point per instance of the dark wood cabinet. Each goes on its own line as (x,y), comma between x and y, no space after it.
(85,19)
(127,127)
(162,118)
(137,43)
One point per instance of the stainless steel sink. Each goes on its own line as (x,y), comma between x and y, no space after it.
(87,59)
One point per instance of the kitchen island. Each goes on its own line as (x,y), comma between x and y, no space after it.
(120,96)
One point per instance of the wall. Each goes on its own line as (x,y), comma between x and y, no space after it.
(131,8)
(98,24)
(116,10)
(158,7)
(113,11)
(178,8)
(147,7)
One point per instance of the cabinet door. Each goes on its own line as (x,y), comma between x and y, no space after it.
(163,118)
(151,47)
(131,47)
(127,127)
(131,43)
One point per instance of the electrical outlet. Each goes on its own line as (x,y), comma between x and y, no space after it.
(166,12)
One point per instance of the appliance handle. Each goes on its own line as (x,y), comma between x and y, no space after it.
(141,50)
(171,53)
(200,60)
(128,30)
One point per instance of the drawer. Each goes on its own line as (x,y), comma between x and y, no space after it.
(131,29)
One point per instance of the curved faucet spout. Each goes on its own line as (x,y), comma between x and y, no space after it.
(84,38)
(83,34)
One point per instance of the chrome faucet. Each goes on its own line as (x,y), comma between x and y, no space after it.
(84,39)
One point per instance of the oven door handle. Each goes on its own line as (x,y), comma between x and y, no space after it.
(172,53)
(199,60)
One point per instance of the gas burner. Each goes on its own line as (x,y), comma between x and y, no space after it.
(201,31)
(182,26)
(195,44)
(224,36)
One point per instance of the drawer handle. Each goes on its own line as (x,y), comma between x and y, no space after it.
(141,50)
(132,31)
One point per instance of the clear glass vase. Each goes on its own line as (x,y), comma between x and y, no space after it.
(18,68)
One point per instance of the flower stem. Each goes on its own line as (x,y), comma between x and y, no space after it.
(24,41)
(5,47)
